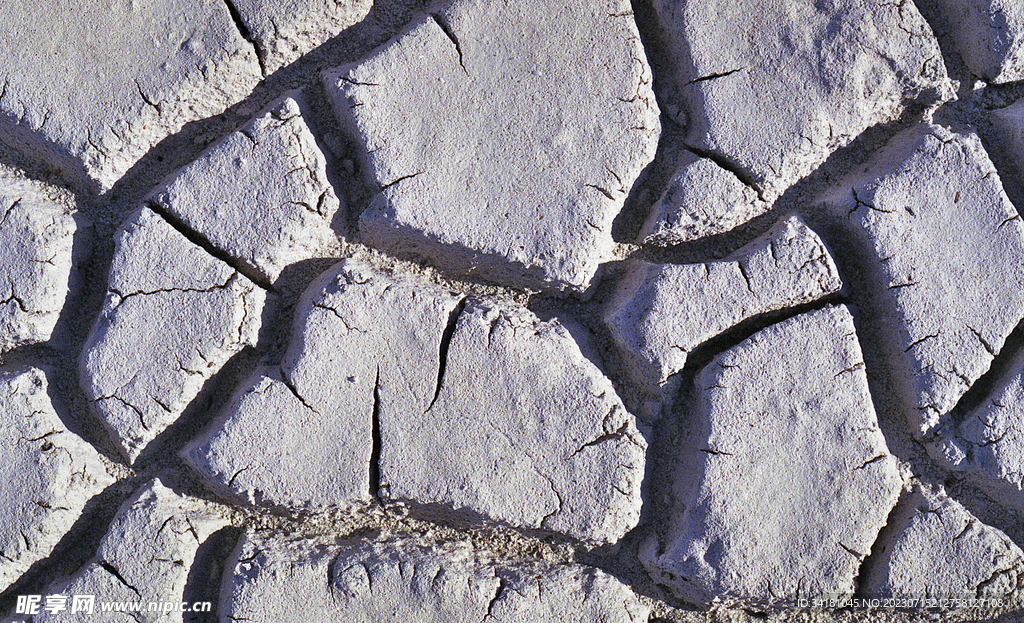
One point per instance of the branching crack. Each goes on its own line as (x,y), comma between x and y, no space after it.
(494,598)
(356,82)
(857,200)
(343,319)
(984,584)
(138,411)
(616,434)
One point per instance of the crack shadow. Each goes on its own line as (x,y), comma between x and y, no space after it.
(204,578)
(76,547)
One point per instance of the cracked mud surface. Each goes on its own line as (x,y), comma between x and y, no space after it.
(661,310)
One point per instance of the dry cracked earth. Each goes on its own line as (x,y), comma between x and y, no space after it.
(481,310)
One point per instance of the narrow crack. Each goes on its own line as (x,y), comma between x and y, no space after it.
(746,277)
(112,570)
(243,30)
(374,475)
(495,597)
(558,495)
(967,527)
(603,191)
(145,98)
(859,556)
(231,481)
(984,343)
(204,243)
(724,163)
(857,366)
(714,76)
(715,452)
(400,179)
(220,286)
(295,392)
(920,341)
(447,30)
(442,354)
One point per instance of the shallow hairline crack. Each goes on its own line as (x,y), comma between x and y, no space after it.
(622,431)
(222,286)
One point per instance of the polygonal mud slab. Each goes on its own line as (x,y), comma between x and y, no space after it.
(92,87)
(773,87)
(662,312)
(940,550)
(261,195)
(473,407)
(172,317)
(145,557)
(284,30)
(784,416)
(702,199)
(51,474)
(494,177)
(273,579)
(37,239)
(523,429)
(989,35)
(300,436)
(936,233)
